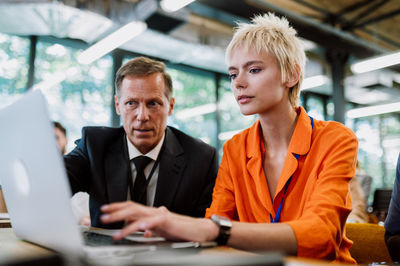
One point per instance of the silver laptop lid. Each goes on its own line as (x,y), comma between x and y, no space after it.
(33,178)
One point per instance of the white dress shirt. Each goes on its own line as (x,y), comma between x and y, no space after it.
(153,154)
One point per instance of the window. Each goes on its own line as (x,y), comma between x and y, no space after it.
(78,95)
(379,145)
(315,107)
(232,121)
(14,54)
(195,103)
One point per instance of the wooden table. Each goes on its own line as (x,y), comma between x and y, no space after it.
(4,220)
(5,223)
(14,250)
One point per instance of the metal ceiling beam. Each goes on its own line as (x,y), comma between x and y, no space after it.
(353,7)
(350,24)
(377,18)
(322,34)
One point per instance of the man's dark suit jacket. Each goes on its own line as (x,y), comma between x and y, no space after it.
(99,165)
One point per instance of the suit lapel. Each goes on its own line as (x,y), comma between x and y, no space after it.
(117,170)
(172,163)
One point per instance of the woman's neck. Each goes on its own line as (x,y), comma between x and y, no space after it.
(277,128)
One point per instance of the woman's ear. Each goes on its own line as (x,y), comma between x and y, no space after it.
(293,78)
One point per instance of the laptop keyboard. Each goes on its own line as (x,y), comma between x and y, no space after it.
(94,239)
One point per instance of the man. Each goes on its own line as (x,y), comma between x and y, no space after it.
(61,136)
(182,172)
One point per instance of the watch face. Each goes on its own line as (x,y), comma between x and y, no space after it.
(225,222)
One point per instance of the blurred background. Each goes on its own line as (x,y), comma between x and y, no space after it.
(45,45)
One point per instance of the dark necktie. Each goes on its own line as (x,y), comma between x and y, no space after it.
(140,187)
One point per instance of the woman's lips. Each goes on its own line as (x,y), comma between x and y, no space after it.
(244,99)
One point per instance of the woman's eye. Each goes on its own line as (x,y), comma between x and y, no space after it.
(232,76)
(255,70)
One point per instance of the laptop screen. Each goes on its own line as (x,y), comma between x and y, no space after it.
(33,178)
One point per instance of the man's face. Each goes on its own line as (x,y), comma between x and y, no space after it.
(144,108)
(61,140)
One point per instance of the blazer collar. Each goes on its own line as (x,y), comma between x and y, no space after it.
(172,163)
(117,169)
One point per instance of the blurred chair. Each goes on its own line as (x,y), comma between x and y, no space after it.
(380,205)
(368,243)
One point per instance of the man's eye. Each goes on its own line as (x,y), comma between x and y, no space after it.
(130,103)
(153,103)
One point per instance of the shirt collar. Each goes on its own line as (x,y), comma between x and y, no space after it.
(301,138)
(299,144)
(153,154)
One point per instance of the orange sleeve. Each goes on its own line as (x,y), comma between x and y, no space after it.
(319,230)
(223,199)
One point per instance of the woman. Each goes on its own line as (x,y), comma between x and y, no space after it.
(284,182)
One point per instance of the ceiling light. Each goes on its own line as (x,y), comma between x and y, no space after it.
(50,81)
(373,110)
(174,5)
(376,63)
(196,111)
(112,41)
(314,81)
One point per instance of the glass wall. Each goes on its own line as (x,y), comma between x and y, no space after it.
(195,103)
(379,147)
(232,120)
(78,95)
(14,54)
(315,107)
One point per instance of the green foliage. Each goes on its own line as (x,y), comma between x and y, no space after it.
(13,64)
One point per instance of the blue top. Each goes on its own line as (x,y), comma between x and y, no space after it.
(392,223)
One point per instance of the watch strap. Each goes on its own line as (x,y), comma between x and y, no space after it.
(225,226)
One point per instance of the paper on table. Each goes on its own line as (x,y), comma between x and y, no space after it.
(4,215)
(138,236)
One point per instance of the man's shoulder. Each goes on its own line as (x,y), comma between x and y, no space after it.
(102,132)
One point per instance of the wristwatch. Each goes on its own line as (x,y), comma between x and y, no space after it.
(225,226)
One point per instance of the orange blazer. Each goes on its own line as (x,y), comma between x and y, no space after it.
(317,201)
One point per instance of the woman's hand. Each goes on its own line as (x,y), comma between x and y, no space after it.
(159,221)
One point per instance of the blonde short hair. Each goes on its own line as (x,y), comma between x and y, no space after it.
(274,35)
